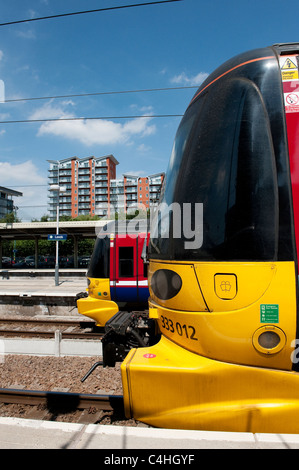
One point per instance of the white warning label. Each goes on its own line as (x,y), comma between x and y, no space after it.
(291,102)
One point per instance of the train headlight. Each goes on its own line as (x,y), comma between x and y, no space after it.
(269,339)
(165,284)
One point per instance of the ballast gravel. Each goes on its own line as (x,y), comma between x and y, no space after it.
(60,374)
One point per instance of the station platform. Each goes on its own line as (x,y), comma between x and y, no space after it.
(33,292)
(17,433)
(38,280)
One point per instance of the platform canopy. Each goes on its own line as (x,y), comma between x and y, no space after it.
(32,230)
(41,230)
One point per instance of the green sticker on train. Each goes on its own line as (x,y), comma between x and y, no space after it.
(269,313)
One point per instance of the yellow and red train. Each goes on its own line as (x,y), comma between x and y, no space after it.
(117,292)
(223,268)
(117,275)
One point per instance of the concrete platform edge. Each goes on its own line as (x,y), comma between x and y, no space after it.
(49,347)
(33,434)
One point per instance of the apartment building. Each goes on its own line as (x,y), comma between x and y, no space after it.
(91,188)
(86,182)
(130,193)
(6,200)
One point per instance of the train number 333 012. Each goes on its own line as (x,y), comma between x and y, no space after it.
(187,331)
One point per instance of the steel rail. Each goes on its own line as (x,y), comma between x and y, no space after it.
(62,401)
(64,324)
(50,334)
(49,321)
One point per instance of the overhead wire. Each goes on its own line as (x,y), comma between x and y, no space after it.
(117,92)
(97,118)
(27,20)
(96,93)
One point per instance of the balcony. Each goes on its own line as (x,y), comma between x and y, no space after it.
(101,199)
(83,206)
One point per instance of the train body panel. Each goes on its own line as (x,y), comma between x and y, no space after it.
(168,386)
(128,276)
(229,330)
(223,273)
(289,68)
(98,310)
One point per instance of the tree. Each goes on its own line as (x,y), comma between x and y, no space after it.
(9,218)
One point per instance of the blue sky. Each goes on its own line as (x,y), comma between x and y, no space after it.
(155,46)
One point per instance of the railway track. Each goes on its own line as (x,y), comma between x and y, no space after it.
(46,328)
(61,406)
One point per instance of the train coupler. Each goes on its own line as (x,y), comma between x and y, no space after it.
(81,295)
(124,331)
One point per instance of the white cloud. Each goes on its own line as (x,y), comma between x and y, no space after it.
(25,177)
(98,132)
(29,34)
(135,173)
(91,132)
(22,173)
(4,116)
(195,80)
(50,111)
(143,148)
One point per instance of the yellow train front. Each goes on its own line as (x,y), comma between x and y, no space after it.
(117,274)
(223,258)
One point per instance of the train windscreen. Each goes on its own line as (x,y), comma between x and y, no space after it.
(230,159)
(99,263)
